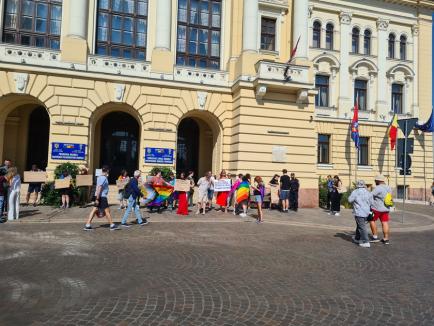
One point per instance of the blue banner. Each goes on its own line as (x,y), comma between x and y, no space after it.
(159,155)
(68,151)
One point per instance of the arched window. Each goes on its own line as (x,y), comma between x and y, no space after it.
(33,23)
(391,45)
(122,28)
(403,47)
(355,40)
(367,42)
(329,36)
(316,38)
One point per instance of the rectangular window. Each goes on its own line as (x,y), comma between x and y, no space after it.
(122,28)
(199,33)
(363,151)
(323,149)
(400,192)
(322,85)
(33,23)
(361,93)
(397,98)
(268,34)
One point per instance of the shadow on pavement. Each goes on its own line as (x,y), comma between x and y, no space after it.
(344,236)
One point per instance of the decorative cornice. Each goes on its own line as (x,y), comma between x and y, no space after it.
(345,17)
(415,30)
(382,24)
(281,4)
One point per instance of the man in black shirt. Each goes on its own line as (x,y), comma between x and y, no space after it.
(284,190)
(294,185)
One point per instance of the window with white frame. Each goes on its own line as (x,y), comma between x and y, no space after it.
(268,33)
(329,36)
(367,42)
(403,47)
(397,98)
(391,46)
(316,36)
(361,93)
(322,85)
(355,35)
(323,154)
(363,151)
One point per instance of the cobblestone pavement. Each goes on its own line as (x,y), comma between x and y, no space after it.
(211,274)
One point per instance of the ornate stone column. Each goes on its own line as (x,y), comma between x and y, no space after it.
(300,28)
(74,46)
(345,102)
(381,103)
(250,25)
(415,105)
(164,24)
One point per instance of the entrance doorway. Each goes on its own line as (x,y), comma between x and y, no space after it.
(195,147)
(38,137)
(119,144)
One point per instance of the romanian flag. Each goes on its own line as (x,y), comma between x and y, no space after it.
(393,131)
(355,126)
(163,193)
(243,191)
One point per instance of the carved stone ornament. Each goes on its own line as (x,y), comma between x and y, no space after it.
(382,24)
(261,90)
(201,99)
(303,96)
(119,92)
(345,17)
(21,80)
(310,11)
(415,30)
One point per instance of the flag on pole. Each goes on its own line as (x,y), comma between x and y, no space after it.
(427,126)
(355,125)
(293,52)
(393,131)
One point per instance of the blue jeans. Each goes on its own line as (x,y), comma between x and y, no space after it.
(132,205)
(2,201)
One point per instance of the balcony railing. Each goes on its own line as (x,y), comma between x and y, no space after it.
(201,76)
(269,70)
(110,65)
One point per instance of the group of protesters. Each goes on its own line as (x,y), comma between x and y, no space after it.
(238,197)
(10,186)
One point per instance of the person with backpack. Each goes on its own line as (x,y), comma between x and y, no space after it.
(132,193)
(382,194)
(362,200)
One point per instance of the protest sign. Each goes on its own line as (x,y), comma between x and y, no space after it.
(182,185)
(84,180)
(274,192)
(62,183)
(35,176)
(222,185)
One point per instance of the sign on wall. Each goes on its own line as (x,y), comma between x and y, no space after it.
(68,151)
(159,155)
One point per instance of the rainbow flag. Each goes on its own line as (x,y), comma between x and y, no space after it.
(148,193)
(163,193)
(243,192)
(393,131)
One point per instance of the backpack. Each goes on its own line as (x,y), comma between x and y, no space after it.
(388,200)
(127,190)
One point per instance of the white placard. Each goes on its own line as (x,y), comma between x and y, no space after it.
(98,172)
(222,185)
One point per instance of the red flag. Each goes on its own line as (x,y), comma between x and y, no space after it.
(293,52)
(355,125)
(393,131)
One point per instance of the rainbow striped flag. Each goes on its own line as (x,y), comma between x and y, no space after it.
(243,192)
(163,193)
(148,193)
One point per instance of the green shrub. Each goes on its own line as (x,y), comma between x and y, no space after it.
(51,196)
(323,190)
(165,171)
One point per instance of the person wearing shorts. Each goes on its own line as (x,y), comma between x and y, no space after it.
(203,184)
(34,187)
(101,202)
(381,212)
(285,186)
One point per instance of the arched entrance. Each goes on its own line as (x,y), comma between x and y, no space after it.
(26,136)
(197,146)
(119,143)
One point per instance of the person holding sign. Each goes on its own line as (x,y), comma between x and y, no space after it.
(65,192)
(34,187)
(101,203)
(222,196)
(182,199)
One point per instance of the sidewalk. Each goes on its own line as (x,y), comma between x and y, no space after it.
(417,218)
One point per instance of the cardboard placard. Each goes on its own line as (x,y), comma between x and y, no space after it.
(35,176)
(274,192)
(121,184)
(222,185)
(83,180)
(182,185)
(62,183)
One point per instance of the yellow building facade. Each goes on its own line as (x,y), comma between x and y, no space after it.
(204,82)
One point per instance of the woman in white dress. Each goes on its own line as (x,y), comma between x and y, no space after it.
(14,193)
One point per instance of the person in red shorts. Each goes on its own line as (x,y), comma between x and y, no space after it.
(381,212)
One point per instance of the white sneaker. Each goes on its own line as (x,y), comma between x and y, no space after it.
(365,245)
(337,214)
(243,215)
(197,213)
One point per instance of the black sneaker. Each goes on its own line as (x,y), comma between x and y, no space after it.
(114,228)
(125,225)
(386,242)
(144,222)
(374,240)
(88,228)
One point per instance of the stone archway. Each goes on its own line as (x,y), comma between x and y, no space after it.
(198,144)
(25,132)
